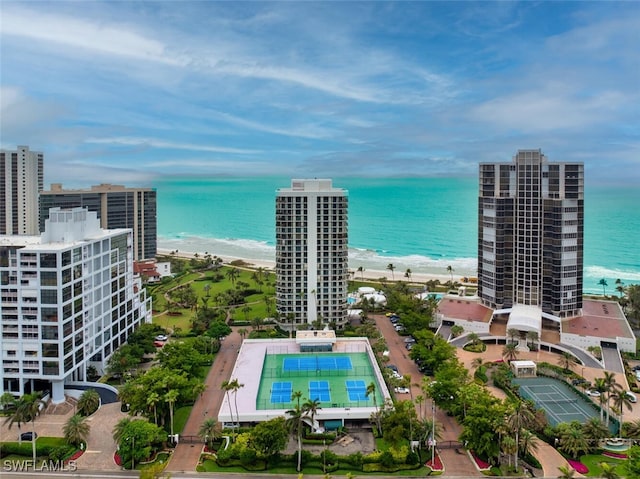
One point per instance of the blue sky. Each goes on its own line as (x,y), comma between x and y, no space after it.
(125,91)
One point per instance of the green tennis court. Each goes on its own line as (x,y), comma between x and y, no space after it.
(557,399)
(341,381)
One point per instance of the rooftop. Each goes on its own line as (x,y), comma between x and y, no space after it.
(603,319)
(464,308)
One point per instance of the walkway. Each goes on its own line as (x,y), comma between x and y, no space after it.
(612,360)
(100,446)
(186,456)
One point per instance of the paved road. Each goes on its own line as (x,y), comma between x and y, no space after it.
(186,456)
(455,464)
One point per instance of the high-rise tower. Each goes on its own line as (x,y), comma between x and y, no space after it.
(21,180)
(530,236)
(312,260)
(116,206)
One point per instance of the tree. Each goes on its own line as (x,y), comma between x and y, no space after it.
(510,351)
(456,330)
(407,274)
(532,337)
(7,401)
(235,386)
(171,397)
(88,402)
(295,425)
(477,362)
(566,472)
(450,271)
(27,410)
(620,287)
(566,360)
(608,471)
(136,440)
(152,401)
(612,386)
(620,401)
(633,462)
(572,440)
(120,428)
(600,386)
(209,431)
(270,437)
(371,391)
(512,333)
(521,417)
(361,270)
(391,268)
(310,408)
(226,387)
(76,430)
(219,329)
(232,275)
(595,430)
(603,283)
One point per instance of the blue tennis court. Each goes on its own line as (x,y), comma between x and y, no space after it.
(356,390)
(319,391)
(281,391)
(316,363)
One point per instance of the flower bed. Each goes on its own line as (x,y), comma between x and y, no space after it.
(615,455)
(75,455)
(480,464)
(578,466)
(117,459)
(436,465)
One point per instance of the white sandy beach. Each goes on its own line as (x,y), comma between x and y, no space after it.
(366,274)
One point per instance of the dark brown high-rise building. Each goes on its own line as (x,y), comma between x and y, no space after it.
(117,207)
(530,235)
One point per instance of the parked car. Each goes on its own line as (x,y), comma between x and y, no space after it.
(409,346)
(632,397)
(399,327)
(28,436)
(161,337)
(158,344)
(402,390)
(592,393)
(393,367)
(394,319)
(410,339)
(577,382)
(636,367)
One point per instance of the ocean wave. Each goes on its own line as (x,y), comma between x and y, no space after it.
(611,275)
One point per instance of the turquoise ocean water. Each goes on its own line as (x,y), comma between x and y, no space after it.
(424,224)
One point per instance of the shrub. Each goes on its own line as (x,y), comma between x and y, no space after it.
(387,459)
(61,453)
(412,458)
(248,456)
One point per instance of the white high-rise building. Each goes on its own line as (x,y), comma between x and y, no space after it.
(312,256)
(21,181)
(68,300)
(530,238)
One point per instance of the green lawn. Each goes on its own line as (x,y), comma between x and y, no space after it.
(592,461)
(180,416)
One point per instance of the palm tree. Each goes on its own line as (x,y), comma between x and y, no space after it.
(232,275)
(603,283)
(473,338)
(477,362)
(391,268)
(171,397)
(566,360)
(407,274)
(566,472)
(450,271)
(509,448)
(88,402)
(595,430)
(310,408)
(226,387)
(532,336)
(512,333)
(612,386)
(152,401)
(209,431)
(620,287)
(600,386)
(76,430)
(235,385)
(608,471)
(633,429)
(371,391)
(620,401)
(520,418)
(528,442)
(510,351)
(295,425)
(120,428)
(295,396)
(361,270)
(573,441)
(27,410)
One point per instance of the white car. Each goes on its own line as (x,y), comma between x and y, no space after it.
(402,390)
(632,397)
(161,337)
(592,393)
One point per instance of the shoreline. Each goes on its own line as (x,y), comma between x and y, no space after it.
(365,275)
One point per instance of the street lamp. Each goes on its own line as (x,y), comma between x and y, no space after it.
(433,432)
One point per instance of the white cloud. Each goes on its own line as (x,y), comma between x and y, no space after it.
(156,143)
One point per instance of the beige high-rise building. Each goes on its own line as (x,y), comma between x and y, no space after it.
(312,254)
(21,180)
